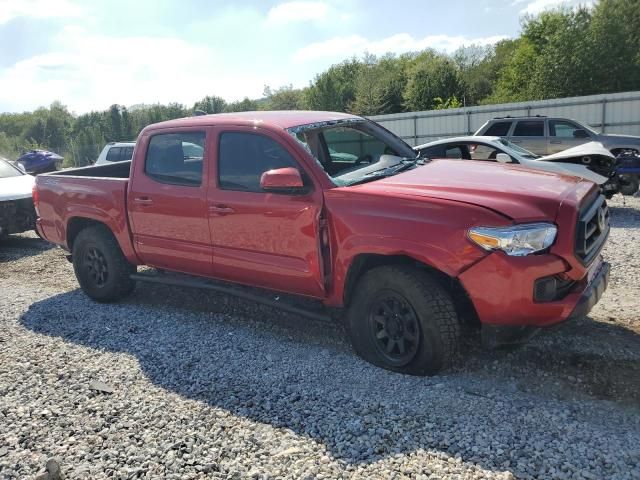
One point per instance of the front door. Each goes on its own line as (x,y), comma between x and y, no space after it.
(261,238)
(168,202)
(562,135)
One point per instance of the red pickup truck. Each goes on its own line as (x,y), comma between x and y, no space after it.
(335,208)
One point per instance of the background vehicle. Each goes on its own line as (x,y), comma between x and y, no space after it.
(590,161)
(401,249)
(40,161)
(16,206)
(116,152)
(548,135)
(628,170)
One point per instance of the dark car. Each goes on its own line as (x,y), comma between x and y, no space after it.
(40,161)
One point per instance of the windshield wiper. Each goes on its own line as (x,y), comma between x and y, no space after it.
(404,164)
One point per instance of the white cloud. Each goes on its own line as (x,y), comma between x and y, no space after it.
(10,9)
(534,7)
(91,72)
(343,47)
(298,11)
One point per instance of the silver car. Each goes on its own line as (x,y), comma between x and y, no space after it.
(548,135)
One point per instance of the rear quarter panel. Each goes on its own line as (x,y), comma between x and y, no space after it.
(63,198)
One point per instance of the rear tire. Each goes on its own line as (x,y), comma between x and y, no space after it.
(100,266)
(402,320)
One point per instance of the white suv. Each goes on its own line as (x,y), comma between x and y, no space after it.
(116,152)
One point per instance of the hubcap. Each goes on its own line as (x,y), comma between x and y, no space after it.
(96,266)
(395,329)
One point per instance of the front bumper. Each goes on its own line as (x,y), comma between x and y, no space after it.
(502,288)
(497,335)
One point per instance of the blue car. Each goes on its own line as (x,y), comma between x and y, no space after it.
(39,161)
(628,170)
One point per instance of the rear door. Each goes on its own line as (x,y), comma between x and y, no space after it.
(562,135)
(263,238)
(530,135)
(167,201)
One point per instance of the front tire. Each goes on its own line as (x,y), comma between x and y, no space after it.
(402,320)
(103,272)
(629,184)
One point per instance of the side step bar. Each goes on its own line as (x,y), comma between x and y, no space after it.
(204,284)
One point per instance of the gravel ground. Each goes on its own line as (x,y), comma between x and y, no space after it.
(175,383)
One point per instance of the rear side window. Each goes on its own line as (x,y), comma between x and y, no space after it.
(498,129)
(244,157)
(113,155)
(529,128)
(127,153)
(176,158)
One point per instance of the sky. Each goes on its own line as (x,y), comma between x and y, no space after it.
(91,54)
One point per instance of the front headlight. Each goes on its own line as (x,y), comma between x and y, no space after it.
(516,240)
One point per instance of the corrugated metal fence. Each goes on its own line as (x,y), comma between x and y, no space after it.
(610,113)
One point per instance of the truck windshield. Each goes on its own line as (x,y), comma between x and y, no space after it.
(354,150)
(7,170)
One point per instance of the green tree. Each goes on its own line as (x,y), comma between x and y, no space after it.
(432,75)
(284,98)
(245,105)
(334,89)
(211,104)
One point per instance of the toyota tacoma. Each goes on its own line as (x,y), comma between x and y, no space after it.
(335,208)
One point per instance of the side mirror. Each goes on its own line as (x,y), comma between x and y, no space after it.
(580,133)
(503,158)
(282,180)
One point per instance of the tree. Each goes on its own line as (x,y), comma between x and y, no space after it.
(432,75)
(211,104)
(245,105)
(334,89)
(284,98)
(115,133)
(614,34)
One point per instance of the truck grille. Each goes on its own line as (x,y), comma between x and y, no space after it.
(592,229)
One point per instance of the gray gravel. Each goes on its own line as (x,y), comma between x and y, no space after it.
(174,383)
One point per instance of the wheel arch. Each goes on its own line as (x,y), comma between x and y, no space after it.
(364,262)
(77,223)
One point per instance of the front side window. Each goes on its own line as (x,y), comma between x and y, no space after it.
(171,159)
(563,129)
(498,129)
(244,157)
(529,128)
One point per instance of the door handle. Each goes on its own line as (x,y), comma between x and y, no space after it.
(143,200)
(556,142)
(220,209)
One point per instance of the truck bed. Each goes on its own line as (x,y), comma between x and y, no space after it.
(97,193)
(109,170)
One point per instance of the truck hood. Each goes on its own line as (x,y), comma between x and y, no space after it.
(15,188)
(518,193)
